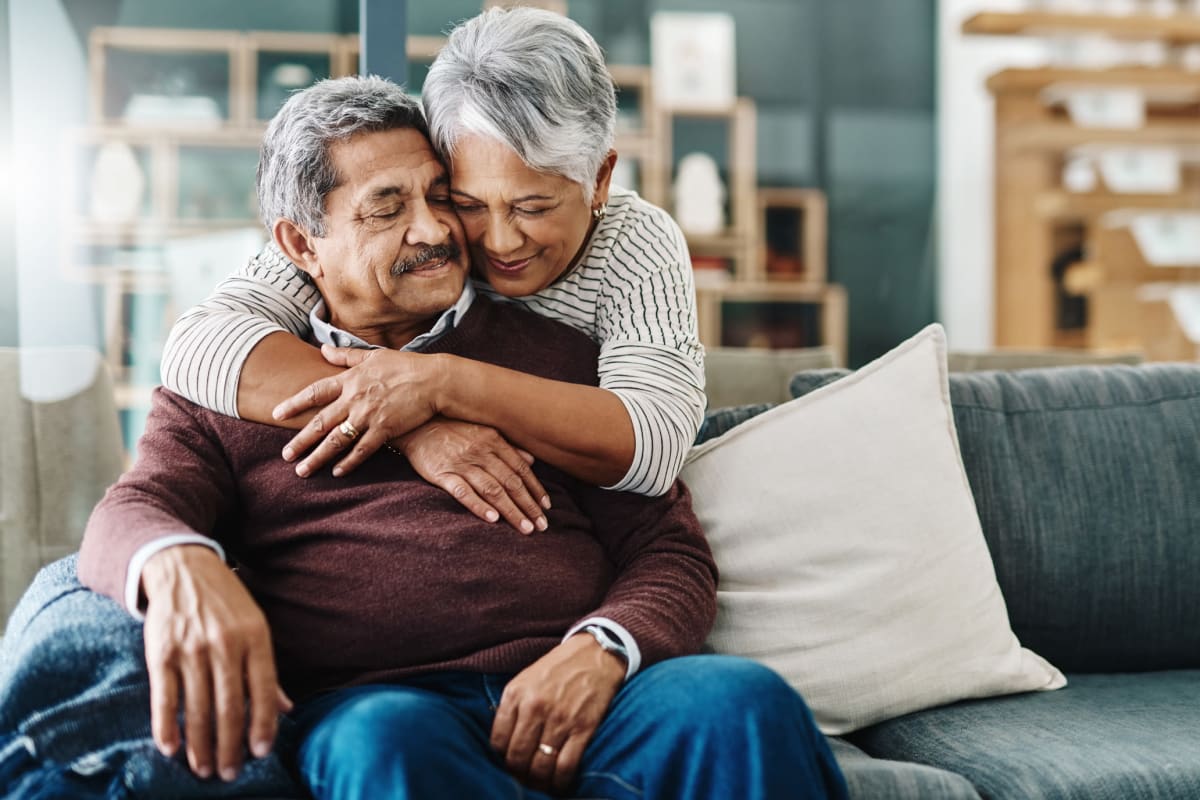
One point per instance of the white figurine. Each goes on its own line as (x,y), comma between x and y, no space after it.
(699,195)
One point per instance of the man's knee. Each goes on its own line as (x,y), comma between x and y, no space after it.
(382,724)
(722,687)
(395,742)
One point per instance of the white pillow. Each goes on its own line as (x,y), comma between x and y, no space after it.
(852,560)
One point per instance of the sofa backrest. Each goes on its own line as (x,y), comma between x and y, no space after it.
(60,447)
(1087,482)
(735,376)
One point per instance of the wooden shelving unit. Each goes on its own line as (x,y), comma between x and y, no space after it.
(1038,219)
(125,257)
(735,270)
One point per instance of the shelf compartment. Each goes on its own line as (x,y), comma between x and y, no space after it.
(817,315)
(792,235)
(279,63)
(167,77)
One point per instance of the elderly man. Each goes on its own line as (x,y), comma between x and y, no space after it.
(430,656)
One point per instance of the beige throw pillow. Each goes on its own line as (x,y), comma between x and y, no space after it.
(852,560)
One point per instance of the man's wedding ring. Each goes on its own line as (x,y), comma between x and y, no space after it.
(546,749)
(348,430)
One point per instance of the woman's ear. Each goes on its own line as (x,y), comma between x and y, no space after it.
(296,243)
(604,178)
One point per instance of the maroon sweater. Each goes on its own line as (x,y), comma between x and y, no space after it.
(378,575)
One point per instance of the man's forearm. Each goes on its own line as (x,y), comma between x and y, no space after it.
(179,485)
(278,367)
(665,590)
(583,430)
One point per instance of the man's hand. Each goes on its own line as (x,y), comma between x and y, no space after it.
(383,395)
(207,640)
(480,469)
(558,701)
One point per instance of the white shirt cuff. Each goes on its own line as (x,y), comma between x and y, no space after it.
(133,575)
(627,640)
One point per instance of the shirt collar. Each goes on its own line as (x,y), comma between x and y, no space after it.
(325,333)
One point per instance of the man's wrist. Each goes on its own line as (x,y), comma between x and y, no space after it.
(608,642)
(442,386)
(162,567)
(135,598)
(618,633)
(612,660)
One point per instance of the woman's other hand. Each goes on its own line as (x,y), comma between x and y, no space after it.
(480,469)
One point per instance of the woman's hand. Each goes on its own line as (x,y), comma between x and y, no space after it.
(480,469)
(383,395)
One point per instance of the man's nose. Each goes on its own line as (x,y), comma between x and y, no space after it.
(501,237)
(426,227)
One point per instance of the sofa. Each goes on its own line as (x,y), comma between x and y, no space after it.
(1084,480)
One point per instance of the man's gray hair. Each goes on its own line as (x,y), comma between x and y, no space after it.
(295,170)
(532,79)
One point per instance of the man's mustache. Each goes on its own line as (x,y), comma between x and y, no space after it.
(427,255)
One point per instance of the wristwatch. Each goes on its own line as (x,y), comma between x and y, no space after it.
(607,641)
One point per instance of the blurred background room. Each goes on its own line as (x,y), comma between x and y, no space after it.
(847,171)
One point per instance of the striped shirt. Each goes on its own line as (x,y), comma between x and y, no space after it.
(631,292)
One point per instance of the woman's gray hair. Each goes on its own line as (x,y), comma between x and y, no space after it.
(532,79)
(295,170)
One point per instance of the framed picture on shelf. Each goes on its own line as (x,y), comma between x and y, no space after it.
(692,58)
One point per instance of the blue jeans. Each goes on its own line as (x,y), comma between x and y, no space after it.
(696,728)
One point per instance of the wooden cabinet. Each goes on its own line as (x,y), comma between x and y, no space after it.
(1058,247)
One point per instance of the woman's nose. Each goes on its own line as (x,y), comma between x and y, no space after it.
(501,237)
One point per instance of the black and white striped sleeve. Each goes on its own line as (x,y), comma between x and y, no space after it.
(651,356)
(209,344)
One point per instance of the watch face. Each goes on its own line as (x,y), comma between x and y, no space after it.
(607,641)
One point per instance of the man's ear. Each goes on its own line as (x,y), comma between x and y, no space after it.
(604,178)
(296,243)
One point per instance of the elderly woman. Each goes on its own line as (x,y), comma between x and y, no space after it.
(522,109)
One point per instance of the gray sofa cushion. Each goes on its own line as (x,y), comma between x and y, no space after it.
(737,376)
(1104,737)
(719,421)
(1086,481)
(870,778)
(1096,554)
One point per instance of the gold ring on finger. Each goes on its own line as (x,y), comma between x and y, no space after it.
(348,430)
(546,749)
